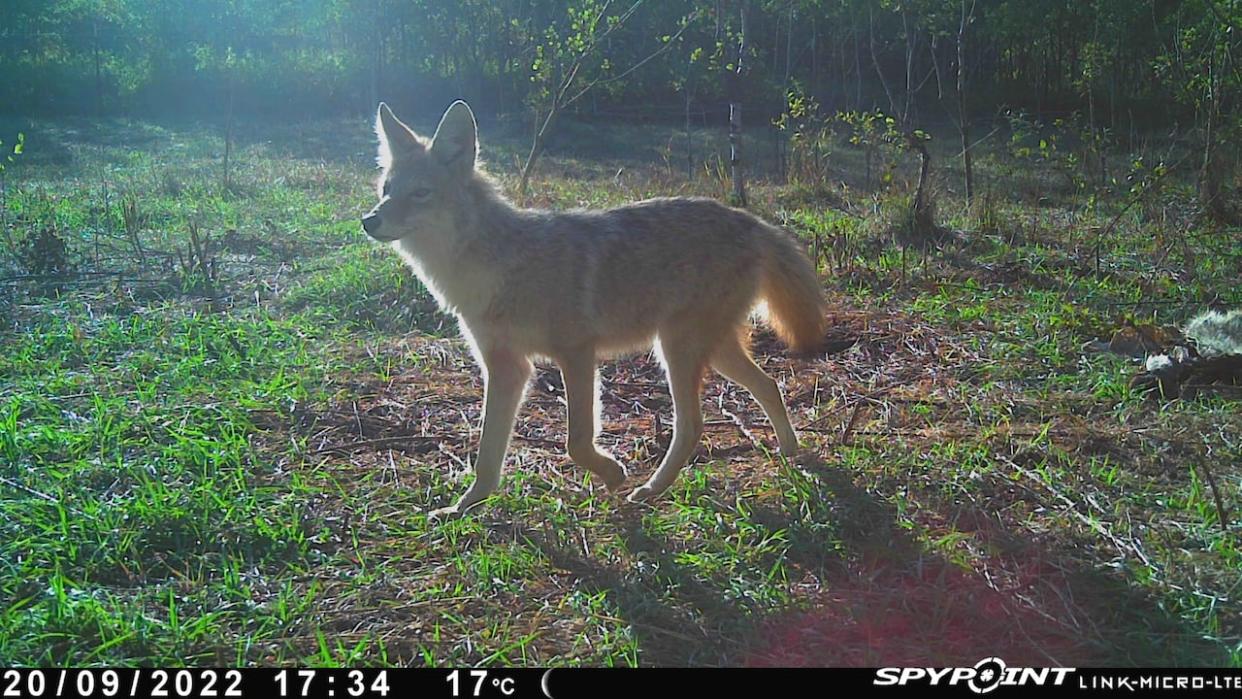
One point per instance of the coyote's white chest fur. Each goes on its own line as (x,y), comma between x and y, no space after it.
(575,286)
(461,289)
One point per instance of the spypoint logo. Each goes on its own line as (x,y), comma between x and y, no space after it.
(985,676)
(988,675)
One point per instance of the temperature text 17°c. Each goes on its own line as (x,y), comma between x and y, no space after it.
(476,683)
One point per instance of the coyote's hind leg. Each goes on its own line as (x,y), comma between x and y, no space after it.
(685,366)
(734,362)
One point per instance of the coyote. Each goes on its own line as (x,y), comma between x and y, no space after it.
(680,274)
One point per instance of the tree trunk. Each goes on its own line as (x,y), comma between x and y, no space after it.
(736,168)
(857,72)
(788,44)
(228,131)
(814,57)
(912,40)
(536,148)
(963,124)
(98,72)
(1210,173)
(689,139)
(377,57)
(875,60)
(920,194)
(781,140)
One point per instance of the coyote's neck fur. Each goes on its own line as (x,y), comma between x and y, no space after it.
(457,262)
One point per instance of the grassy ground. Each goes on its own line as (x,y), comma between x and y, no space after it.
(227,457)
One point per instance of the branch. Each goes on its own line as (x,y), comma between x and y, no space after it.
(1224,19)
(604,81)
(558,99)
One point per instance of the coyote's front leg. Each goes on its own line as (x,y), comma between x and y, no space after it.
(504,375)
(578,372)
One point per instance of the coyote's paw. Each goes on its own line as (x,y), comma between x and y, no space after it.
(470,499)
(801,457)
(614,478)
(444,513)
(644,492)
(453,511)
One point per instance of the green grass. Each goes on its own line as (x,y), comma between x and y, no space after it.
(197,473)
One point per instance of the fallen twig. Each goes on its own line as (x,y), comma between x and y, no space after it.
(1221,514)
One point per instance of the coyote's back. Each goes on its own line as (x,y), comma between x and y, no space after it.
(619,278)
(574,286)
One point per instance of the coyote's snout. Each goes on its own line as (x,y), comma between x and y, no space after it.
(577,286)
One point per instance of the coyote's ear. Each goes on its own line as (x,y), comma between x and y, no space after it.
(394,136)
(456,141)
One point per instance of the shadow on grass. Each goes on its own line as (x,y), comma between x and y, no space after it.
(873,595)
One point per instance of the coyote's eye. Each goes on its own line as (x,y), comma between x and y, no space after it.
(421,193)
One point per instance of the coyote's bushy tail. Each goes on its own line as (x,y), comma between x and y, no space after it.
(788,284)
